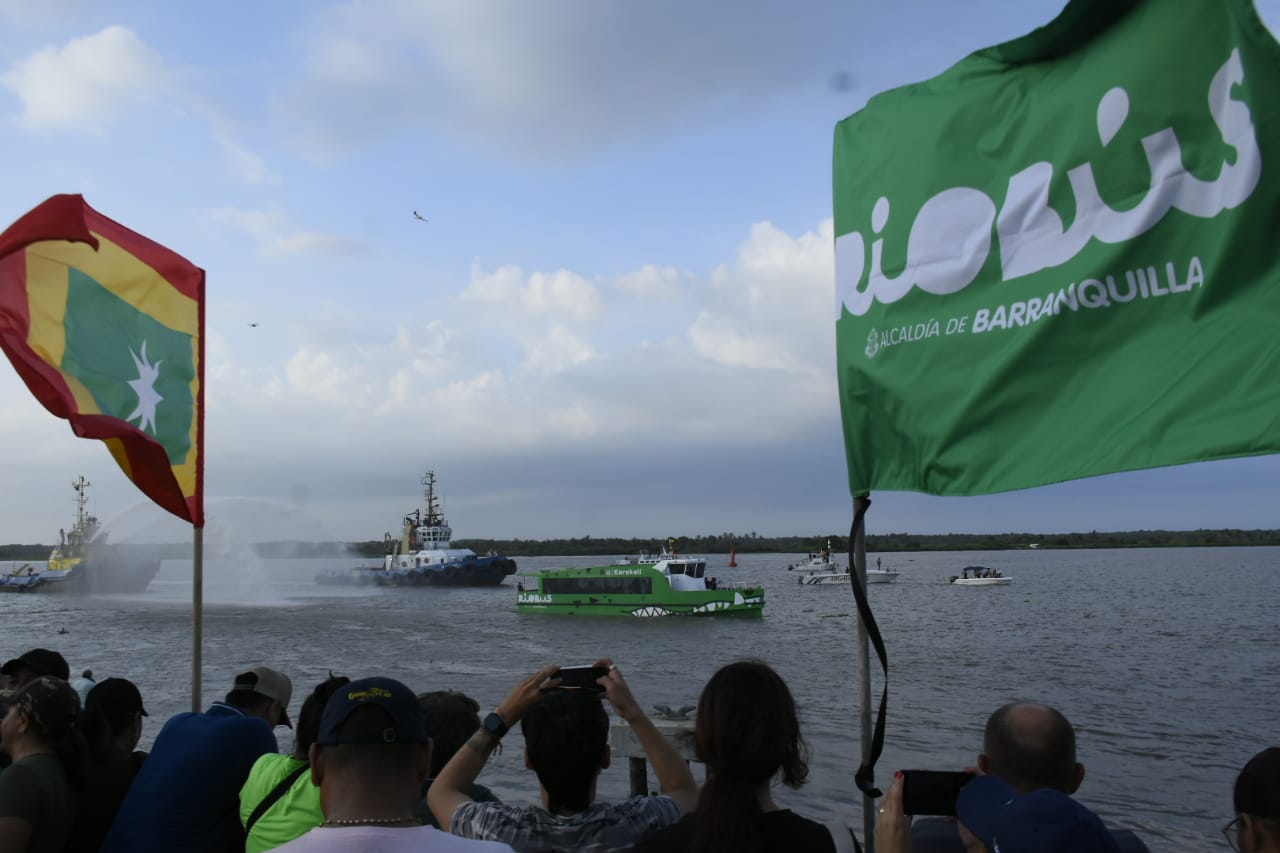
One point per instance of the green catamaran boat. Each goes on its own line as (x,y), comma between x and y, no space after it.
(667,586)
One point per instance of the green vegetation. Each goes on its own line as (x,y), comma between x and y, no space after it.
(720,543)
(880,542)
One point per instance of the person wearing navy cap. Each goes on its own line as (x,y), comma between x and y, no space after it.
(1044,821)
(370,758)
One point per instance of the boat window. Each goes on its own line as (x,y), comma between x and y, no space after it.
(699,569)
(675,568)
(598,586)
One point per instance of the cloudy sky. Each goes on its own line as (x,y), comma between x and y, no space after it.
(618,318)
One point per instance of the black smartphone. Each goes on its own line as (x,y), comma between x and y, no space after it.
(932,792)
(582,677)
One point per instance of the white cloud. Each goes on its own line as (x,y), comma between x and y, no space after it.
(324,375)
(88,82)
(720,340)
(561,294)
(276,235)
(247,166)
(559,350)
(651,282)
(513,369)
(773,303)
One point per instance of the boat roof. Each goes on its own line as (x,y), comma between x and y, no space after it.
(616,570)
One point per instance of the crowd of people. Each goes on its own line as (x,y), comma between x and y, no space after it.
(376,767)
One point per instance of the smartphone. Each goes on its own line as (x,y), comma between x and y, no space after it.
(932,792)
(582,677)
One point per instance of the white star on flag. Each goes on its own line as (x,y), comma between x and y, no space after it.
(145,387)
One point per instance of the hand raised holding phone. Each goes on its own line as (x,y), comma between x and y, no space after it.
(581,678)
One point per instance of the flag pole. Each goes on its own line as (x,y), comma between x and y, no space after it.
(859,550)
(197,613)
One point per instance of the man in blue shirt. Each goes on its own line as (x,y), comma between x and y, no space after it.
(186,797)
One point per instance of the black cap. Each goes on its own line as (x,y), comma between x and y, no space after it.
(41,662)
(117,697)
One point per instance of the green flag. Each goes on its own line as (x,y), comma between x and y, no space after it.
(1061,257)
(107,338)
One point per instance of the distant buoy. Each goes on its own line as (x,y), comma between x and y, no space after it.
(733,557)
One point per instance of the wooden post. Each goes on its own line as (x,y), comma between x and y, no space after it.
(624,742)
(639,775)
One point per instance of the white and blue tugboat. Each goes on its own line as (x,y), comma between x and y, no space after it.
(423,556)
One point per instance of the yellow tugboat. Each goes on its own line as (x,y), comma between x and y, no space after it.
(83,563)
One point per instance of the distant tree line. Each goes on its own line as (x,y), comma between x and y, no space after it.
(721,543)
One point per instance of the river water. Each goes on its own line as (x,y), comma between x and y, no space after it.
(1165,660)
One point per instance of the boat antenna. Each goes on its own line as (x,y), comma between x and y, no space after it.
(81,499)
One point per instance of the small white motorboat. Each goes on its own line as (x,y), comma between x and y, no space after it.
(979,576)
(819,561)
(873,576)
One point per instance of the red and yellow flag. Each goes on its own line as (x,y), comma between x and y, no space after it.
(106,328)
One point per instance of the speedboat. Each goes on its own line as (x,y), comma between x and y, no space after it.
(979,576)
(876,575)
(818,561)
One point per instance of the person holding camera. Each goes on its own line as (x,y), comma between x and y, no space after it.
(1029,746)
(566,733)
(747,734)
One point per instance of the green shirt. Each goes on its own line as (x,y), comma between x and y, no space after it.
(295,813)
(37,790)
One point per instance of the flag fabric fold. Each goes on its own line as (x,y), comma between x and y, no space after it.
(1059,258)
(106,328)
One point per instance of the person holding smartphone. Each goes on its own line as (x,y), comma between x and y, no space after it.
(1030,746)
(748,736)
(566,734)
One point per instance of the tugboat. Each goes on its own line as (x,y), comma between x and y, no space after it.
(84,564)
(422,555)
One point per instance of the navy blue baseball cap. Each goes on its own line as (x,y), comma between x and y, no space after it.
(1044,821)
(405,721)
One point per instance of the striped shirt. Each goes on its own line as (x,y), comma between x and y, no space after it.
(602,828)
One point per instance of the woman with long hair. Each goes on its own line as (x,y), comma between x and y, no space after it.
(112,725)
(747,734)
(39,791)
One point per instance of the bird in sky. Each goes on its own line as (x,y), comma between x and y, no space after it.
(253,325)
(417,215)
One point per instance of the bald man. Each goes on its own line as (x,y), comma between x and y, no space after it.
(1031,747)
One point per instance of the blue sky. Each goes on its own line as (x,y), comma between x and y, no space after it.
(617,320)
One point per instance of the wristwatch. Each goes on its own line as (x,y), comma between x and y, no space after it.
(494,725)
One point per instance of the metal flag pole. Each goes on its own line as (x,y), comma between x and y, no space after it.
(197,613)
(859,549)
